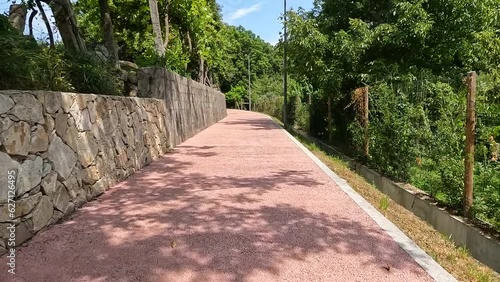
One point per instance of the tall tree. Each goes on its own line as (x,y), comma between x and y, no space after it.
(155,21)
(196,41)
(107,30)
(67,24)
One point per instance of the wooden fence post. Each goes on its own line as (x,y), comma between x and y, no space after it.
(330,127)
(470,134)
(366,122)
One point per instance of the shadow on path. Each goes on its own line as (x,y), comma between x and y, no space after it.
(171,222)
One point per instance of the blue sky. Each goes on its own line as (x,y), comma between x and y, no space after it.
(259,16)
(39,29)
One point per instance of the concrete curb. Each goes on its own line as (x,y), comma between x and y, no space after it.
(437,272)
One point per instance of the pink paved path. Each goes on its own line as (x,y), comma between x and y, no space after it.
(238,202)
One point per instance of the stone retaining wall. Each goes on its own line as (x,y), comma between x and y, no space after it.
(191,106)
(68,148)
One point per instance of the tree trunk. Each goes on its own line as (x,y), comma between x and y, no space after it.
(167,26)
(155,21)
(190,43)
(366,121)
(17,16)
(208,77)
(67,25)
(201,71)
(47,24)
(470,137)
(107,30)
(330,122)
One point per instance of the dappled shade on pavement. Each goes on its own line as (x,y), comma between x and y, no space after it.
(238,202)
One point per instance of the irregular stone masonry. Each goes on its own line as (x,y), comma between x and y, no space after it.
(69,148)
(191,106)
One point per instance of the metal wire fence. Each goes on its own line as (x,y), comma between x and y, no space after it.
(416,133)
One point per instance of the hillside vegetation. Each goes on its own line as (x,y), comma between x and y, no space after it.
(413,57)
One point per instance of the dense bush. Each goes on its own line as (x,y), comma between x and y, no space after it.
(88,74)
(26,64)
(235,97)
(270,105)
(417,135)
(267,97)
(413,56)
(302,116)
(487,194)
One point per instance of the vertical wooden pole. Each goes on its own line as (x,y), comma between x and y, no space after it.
(329,119)
(285,65)
(470,133)
(249,87)
(366,122)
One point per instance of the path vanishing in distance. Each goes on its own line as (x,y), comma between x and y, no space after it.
(240,201)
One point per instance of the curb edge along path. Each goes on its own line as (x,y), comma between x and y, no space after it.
(436,271)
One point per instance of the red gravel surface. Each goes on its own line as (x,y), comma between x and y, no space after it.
(237,202)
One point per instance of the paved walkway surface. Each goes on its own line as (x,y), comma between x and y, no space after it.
(238,202)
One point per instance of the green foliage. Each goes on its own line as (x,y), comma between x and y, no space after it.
(88,74)
(267,97)
(487,194)
(239,45)
(412,55)
(302,116)
(267,93)
(384,203)
(196,32)
(25,64)
(270,105)
(417,135)
(235,97)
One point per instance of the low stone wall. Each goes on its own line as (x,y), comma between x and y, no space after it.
(67,149)
(191,106)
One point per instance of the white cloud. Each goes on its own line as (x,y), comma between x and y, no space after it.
(240,13)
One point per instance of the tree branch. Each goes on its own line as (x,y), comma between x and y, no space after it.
(47,24)
(167,26)
(30,22)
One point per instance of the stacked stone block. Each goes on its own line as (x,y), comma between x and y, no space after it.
(69,148)
(191,106)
